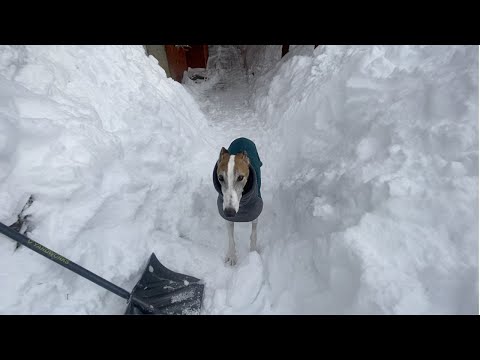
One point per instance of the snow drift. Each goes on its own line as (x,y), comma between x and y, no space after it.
(100,136)
(375,179)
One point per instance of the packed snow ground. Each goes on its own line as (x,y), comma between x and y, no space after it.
(370,177)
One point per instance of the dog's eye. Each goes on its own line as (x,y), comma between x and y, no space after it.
(220,178)
(240,178)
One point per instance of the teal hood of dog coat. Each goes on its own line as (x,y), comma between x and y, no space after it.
(251,203)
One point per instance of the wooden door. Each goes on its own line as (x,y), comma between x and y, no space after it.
(177,61)
(197,56)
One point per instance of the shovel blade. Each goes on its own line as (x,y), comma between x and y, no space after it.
(161,291)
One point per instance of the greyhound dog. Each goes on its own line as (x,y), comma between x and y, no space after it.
(237,179)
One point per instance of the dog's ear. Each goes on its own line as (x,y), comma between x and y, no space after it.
(244,154)
(222,153)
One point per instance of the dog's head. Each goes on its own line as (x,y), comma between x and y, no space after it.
(232,173)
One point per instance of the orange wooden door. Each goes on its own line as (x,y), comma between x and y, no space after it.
(177,61)
(197,56)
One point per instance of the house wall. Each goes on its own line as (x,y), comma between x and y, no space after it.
(159,53)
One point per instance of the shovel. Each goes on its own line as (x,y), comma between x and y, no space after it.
(159,291)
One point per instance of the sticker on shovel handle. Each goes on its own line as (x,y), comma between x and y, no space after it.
(53,255)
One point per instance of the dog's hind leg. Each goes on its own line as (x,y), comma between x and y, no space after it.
(231,257)
(253,236)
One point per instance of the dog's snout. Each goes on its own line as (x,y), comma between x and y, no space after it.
(230,212)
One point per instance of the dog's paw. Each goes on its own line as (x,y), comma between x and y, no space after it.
(231,259)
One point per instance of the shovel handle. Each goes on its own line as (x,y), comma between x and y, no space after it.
(59,259)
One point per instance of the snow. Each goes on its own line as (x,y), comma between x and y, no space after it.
(370,176)
(370,147)
(246,282)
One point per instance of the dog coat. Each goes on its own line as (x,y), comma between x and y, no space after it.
(251,203)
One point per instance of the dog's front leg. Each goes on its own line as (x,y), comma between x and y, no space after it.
(231,254)
(253,236)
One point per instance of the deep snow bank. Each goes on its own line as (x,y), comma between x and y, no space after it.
(102,138)
(374,176)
